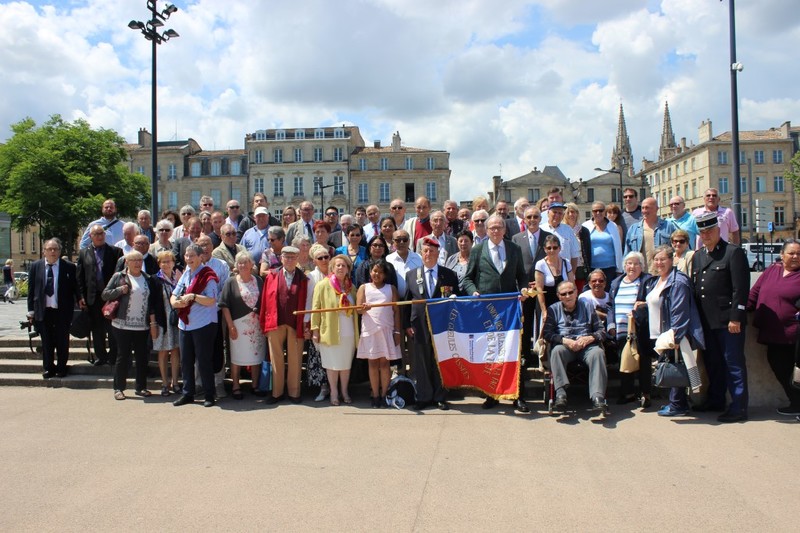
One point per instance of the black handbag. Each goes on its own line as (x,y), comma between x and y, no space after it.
(669,374)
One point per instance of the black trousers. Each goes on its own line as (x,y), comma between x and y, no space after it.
(645,373)
(781,360)
(198,345)
(55,340)
(129,341)
(101,328)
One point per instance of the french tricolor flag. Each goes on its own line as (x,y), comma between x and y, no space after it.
(476,342)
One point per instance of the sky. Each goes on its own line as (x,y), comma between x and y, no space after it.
(504,86)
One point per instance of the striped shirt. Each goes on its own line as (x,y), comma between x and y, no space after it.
(623,306)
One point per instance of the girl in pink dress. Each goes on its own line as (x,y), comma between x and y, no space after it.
(380,330)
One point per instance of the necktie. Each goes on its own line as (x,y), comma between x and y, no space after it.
(522,226)
(99,272)
(308,230)
(533,245)
(498,259)
(49,286)
(375,229)
(431,283)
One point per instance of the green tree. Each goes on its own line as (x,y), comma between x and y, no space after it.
(58,175)
(792,172)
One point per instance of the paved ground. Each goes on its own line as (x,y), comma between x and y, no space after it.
(78,460)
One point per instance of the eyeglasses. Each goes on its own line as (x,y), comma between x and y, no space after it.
(396,207)
(400,239)
(207,205)
(229,233)
(332,214)
(354,235)
(551,247)
(377,245)
(186,214)
(598,210)
(97,234)
(566,293)
(233,207)
(164,230)
(711,195)
(323,257)
(479,220)
(674,203)
(533,217)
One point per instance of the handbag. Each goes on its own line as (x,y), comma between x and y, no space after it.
(668,374)
(111,307)
(796,377)
(629,359)
(582,272)
(265,381)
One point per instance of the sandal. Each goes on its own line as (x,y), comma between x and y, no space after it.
(119,395)
(335,402)
(165,391)
(348,400)
(144,393)
(237,394)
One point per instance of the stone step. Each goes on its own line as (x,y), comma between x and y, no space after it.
(76,353)
(73,381)
(80,368)
(22,342)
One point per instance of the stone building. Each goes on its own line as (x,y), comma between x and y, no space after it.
(382,173)
(689,169)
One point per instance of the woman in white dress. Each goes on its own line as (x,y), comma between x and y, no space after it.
(240,299)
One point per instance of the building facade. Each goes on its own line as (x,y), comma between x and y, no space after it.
(689,169)
(382,173)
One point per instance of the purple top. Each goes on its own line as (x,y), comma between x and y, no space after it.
(773,297)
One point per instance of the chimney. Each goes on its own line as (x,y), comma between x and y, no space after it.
(144,138)
(704,133)
(376,144)
(396,142)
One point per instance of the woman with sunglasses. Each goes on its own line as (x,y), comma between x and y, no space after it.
(315,374)
(551,271)
(353,249)
(683,255)
(163,238)
(606,243)
(271,257)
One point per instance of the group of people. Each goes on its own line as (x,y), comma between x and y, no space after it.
(206,290)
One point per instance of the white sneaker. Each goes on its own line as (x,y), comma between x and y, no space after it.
(324,392)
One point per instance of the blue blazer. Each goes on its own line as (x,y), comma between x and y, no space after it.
(360,258)
(678,309)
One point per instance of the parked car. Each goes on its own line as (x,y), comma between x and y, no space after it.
(761,255)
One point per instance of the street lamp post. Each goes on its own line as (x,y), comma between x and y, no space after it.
(613,171)
(318,183)
(150,30)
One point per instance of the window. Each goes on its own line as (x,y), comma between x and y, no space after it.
(277,186)
(777,183)
(216,194)
(362,164)
(430,164)
(236,167)
(383,189)
(669,173)
(338,185)
(261,135)
(677,167)
(258,185)
(760,184)
(743,186)
(277,155)
(258,156)
(663,198)
(723,185)
(777,156)
(742,157)
(195,199)
(384,163)
(298,155)
(140,170)
(196,167)
(615,195)
(758,157)
(744,217)
(722,157)
(409,163)
(694,189)
(33,243)
(338,154)
(589,194)
(317,155)
(280,135)
(318,185)
(338,133)
(430,190)
(319,133)
(298,185)
(685,166)
(22,243)
(172,173)
(300,134)
(780,216)
(534,195)
(685,191)
(216,168)
(236,194)
(363,193)
(172,200)
(507,195)
(693,164)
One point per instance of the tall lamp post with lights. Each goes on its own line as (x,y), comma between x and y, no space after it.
(318,184)
(150,30)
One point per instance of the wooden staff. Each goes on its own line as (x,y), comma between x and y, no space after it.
(351,307)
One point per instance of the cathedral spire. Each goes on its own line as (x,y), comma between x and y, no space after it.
(622,156)
(668,147)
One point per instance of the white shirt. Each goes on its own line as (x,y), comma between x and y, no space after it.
(494,250)
(412,261)
(124,246)
(570,249)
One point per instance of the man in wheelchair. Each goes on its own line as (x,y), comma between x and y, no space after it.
(574,331)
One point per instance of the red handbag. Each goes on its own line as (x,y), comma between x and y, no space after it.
(111,307)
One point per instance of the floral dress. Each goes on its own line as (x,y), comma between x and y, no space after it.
(250,346)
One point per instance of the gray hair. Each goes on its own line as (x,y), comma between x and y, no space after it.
(243,256)
(133,254)
(196,248)
(635,255)
(188,209)
(131,225)
(277,232)
(300,239)
(666,248)
(53,240)
(144,212)
(164,224)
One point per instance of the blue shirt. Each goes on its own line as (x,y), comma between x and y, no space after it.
(688,224)
(255,242)
(199,315)
(602,250)
(113,233)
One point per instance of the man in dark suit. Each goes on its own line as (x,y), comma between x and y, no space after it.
(142,245)
(423,283)
(194,228)
(516,223)
(495,266)
(721,286)
(52,294)
(96,264)
(531,243)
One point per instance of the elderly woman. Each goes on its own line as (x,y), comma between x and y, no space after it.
(186,213)
(289,217)
(205,220)
(377,249)
(683,255)
(671,312)
(478,203)
(163,238)
(605,242)
(622,297)
(271,258)
(353,249)
(336,333)
(195,298)
(240,301)
(304,261)
(166,344)
(140,312)
(572,217)
(550,271)
(459,260)
(774,298)
(315,374)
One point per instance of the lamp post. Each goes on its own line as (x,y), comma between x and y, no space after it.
(735,68)
(318,183)
(150,30)
(613,171)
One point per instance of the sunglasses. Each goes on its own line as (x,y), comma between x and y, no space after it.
(401,239)
(533,217)
(331,214)
(598,210)
(479,220)
(207,205)
(396,207)
(323,257)
(354,235)
(551,247)
(164,230)
(566,293)
(233,207)
(679,241)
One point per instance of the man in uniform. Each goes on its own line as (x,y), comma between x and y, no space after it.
(721,285)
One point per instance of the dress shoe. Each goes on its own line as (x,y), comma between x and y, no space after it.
(100,362)
(443,406)
(209,403)
(259,393)
(645,402)
(47,374)
(708,408)
(271,400)
(324,392)
(622,400)
(599,403)
(488,403)
(296,399)
(561,404)
(729,417)
(521,406)
(789,410)
(183,400)
(61,373)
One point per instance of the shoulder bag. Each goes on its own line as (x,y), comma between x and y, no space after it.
(629,359)
(111,307)
(669,374)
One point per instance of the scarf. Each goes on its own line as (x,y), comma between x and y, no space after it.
(197,286)
(344,301)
